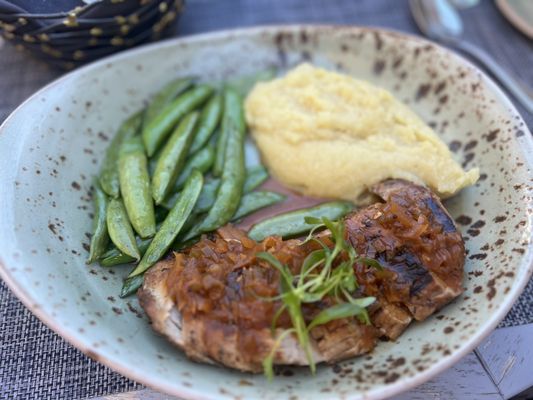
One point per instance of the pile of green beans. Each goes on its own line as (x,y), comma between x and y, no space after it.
(173,171)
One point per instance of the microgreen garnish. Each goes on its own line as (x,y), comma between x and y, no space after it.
(324,272)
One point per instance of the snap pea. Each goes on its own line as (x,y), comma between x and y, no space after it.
(209,191)
(170,162)
(193,220)
(131,285)
(202,161)
(207,196)
(250,203)
(156,131)
(169,202)
(160,214)
(254,201)
(232,181)
(220,151)
(100,237)
(255,176)
(172,224)
(109,179)
(152,162)
(293,223)
(114,256)
(135,186)
(209,119)
(120,230)
(168,93)
(205,200)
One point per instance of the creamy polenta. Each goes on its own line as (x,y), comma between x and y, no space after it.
(329,135)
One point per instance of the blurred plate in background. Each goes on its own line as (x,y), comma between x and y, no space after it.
(519,13)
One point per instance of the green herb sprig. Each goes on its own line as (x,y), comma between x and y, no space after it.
(325,272)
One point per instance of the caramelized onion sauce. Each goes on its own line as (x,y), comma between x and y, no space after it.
(410,235)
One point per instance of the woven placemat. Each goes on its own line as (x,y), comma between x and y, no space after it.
(35,363)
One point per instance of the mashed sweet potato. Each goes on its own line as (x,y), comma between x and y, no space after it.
(329,135)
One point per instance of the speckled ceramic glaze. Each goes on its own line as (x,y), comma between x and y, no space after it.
(52,144)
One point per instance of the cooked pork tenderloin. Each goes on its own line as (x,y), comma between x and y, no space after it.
(211,300)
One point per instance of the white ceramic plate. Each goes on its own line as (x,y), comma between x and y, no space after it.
(53,143)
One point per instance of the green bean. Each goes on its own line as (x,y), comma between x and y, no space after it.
(254,201)
(293,223)
(255,176)
(120,230)
(232,181)
(109,171)
(100,236)
(172,158)
(131,285)
(114,256)
(202,161)
(135,186)
(168,93)
(172,224)
(155,132)
(209,119)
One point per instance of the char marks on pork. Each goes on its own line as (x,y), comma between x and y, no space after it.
(210,299)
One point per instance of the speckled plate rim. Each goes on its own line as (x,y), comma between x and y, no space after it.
(378,393)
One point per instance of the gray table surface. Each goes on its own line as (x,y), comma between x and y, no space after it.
(35,363)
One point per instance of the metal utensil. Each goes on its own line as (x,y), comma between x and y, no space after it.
(439,21)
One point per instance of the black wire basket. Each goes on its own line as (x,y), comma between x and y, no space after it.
(88,30)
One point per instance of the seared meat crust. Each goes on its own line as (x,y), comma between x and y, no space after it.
(207,300)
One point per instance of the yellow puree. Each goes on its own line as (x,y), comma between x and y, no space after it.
(328,135)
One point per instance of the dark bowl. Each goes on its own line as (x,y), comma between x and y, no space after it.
(85,33)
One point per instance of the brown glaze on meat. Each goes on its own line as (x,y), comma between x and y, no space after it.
(213,295)
(221,277)
(208,299)
(416,241)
